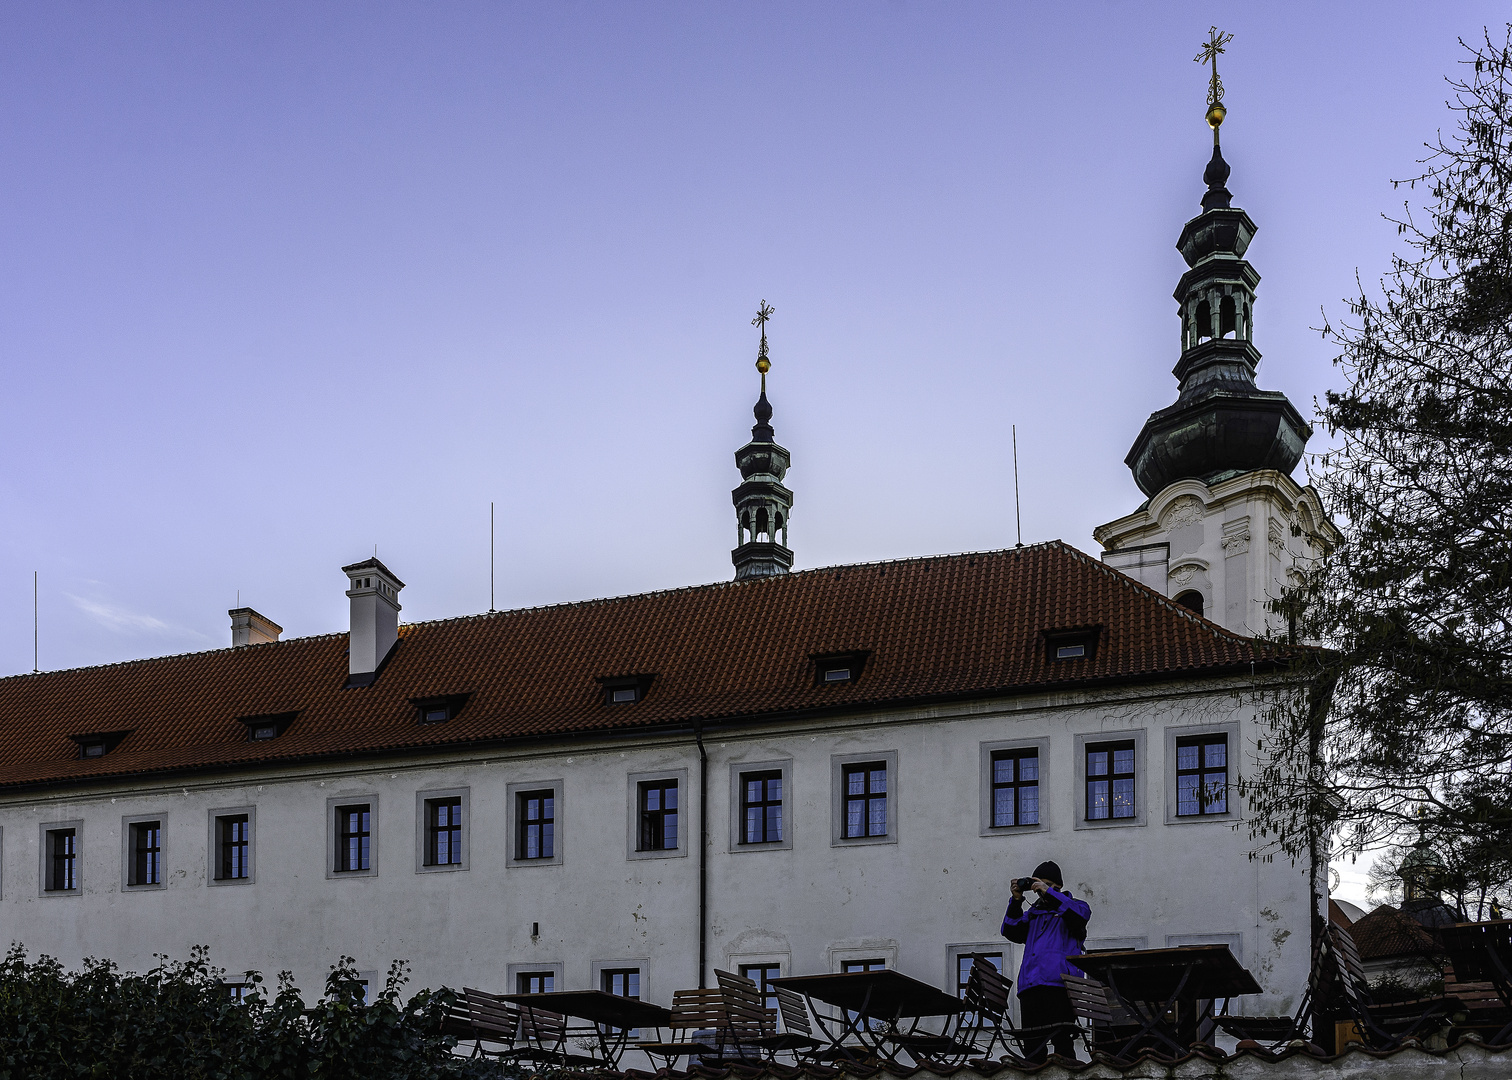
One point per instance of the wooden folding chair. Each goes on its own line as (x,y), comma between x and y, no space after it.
(1384,1026)
(482,1018)
(985,1012)
(1109,1026)
(752,1024)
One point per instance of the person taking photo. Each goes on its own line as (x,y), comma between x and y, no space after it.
(1050,929)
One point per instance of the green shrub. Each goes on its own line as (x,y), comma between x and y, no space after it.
(182,1020)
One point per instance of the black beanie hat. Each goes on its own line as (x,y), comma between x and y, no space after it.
(1049,871)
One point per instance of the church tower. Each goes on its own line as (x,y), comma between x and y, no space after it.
(1225,527)
(762,503)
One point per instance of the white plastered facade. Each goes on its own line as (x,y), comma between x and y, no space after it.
(934,888)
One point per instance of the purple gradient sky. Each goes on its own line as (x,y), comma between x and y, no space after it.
(282,281)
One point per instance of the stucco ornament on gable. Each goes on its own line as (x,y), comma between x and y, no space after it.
(1184,574)
(1186,510)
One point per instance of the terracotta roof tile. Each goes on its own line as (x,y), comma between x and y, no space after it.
(936,628)
(1387,932)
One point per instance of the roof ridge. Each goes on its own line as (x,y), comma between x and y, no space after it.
(591,601)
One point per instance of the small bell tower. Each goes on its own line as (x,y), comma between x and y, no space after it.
(762,503)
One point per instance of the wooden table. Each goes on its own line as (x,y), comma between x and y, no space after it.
(1148,982)
(876,1006)
(609,1020)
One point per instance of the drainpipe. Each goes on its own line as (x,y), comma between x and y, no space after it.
(703,855)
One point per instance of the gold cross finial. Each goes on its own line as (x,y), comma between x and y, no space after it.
(1209,54)
(763,365)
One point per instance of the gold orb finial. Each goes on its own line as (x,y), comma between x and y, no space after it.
(1215,114)
(763,365)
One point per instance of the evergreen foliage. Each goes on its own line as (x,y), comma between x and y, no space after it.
(181,1021)
(1408,723)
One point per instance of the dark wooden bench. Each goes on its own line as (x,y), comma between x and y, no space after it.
(1108,1023)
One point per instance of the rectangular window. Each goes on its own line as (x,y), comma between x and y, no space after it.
(1110,780)
(62,860)
(762,975)
(621,982)
(761,807)
(443,832)
(1015,787)
(354,838)
(146,867)
(865,800)
(234,838)
(535,982)
(1201,775)
(535,811)
(658,815)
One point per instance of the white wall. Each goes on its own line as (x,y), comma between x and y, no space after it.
(935,884)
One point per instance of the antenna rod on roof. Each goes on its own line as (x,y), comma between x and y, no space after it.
(490,555)
(1017,514)
(35,668)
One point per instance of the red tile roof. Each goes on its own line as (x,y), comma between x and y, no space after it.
(936,628)
(1387,932)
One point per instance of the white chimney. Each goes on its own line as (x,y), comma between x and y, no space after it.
(375,619)
(250,628)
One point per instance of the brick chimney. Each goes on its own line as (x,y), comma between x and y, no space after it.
(250,628)
(374,594)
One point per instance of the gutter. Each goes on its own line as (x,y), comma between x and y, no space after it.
(703,855)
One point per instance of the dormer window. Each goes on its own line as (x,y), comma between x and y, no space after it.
(439,709)
(266,726)
(833,669)
(98,743)
(625,689)
(1071,643)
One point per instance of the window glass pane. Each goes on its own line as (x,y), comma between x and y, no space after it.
(1097,764)
(1123,798)
(853,818)
(1029,768)
(1028,805)
(1123,761)
(671,797)
(1186,757)
(879,780)
(1216,793)
(856,782)
(1002,771)
(1186,795)
(1097,799)
(774,788)
(774,822)
(1002,806)
(877,817)
(1216,754)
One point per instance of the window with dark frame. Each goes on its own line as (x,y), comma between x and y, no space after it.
(964,964)
(761,807)
(443,832)
(621,982)
(863,965)
(1201,775)
(535,982)
(658,815)
(865,800)
(535,813)
(1110,780)
(1015,787)
(762,975)
(234,838)
(62,860)
(354,838)
(146,867)
(238,992)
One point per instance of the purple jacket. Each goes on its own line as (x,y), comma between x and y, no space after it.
(1051,930)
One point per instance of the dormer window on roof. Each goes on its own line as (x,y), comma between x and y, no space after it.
(625,689)
(441,708)
(1071,643)
(98,743)
(831,669)
(267,725)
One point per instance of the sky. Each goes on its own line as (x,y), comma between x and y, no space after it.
(282,284)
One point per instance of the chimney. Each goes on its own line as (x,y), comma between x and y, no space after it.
(250,628)
(375,619)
